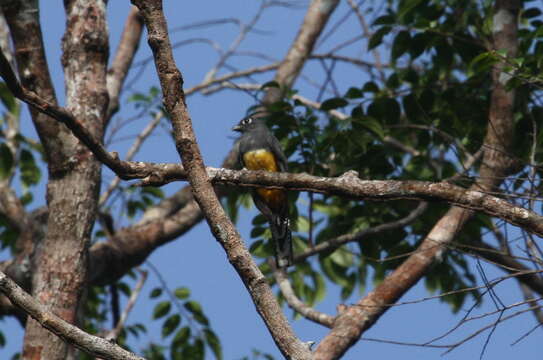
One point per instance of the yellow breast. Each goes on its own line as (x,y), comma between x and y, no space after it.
(260,159)
(265,160)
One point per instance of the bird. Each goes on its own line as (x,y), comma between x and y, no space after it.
(259,149)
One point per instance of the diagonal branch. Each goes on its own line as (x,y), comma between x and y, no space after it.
(222,228)
(91,344)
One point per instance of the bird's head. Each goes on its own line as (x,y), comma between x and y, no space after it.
(248,123)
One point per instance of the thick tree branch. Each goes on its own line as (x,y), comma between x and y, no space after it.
(222,228)
(91,344)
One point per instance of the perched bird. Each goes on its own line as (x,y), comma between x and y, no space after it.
(260,150)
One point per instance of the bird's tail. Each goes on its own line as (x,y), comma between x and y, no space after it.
(282,237)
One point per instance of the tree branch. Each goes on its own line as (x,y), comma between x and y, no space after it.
(92,345)
(126,51)
(315,20)
(222,228)
(295,303)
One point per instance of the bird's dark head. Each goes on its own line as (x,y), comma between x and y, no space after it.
(248,123)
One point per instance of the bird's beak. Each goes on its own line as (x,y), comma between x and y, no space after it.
(237,128)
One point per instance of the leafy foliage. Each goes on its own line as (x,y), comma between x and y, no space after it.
(433,101)
(184,324)
(422,119)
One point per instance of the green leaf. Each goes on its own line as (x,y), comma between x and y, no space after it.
(161,309)
(138,97)
(124,288)
(6,161)
(196,310)
(259,220)
(320,286)
(170,325)
(213,343)
(354,93)
(370,86)
(30,173)
(333,103)
(302,224)
(407,7)
(8,99)
(531,13)
(418,44)
(347,289)
(153,191)
(385,20)
(257,232)
(334,272)
(182,293)
(156,292)
(400,45)
(482,63)
(385,109)
(27,198)
(377,38)
(374,126)
(342,257)
(181,337)
(261,249)
(132,207)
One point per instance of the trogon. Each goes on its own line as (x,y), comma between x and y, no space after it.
(259,149)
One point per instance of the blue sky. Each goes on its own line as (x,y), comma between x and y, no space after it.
(197,261)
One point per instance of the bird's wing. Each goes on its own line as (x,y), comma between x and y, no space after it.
(275,147)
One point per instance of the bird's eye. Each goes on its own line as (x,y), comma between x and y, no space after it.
(248,121)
